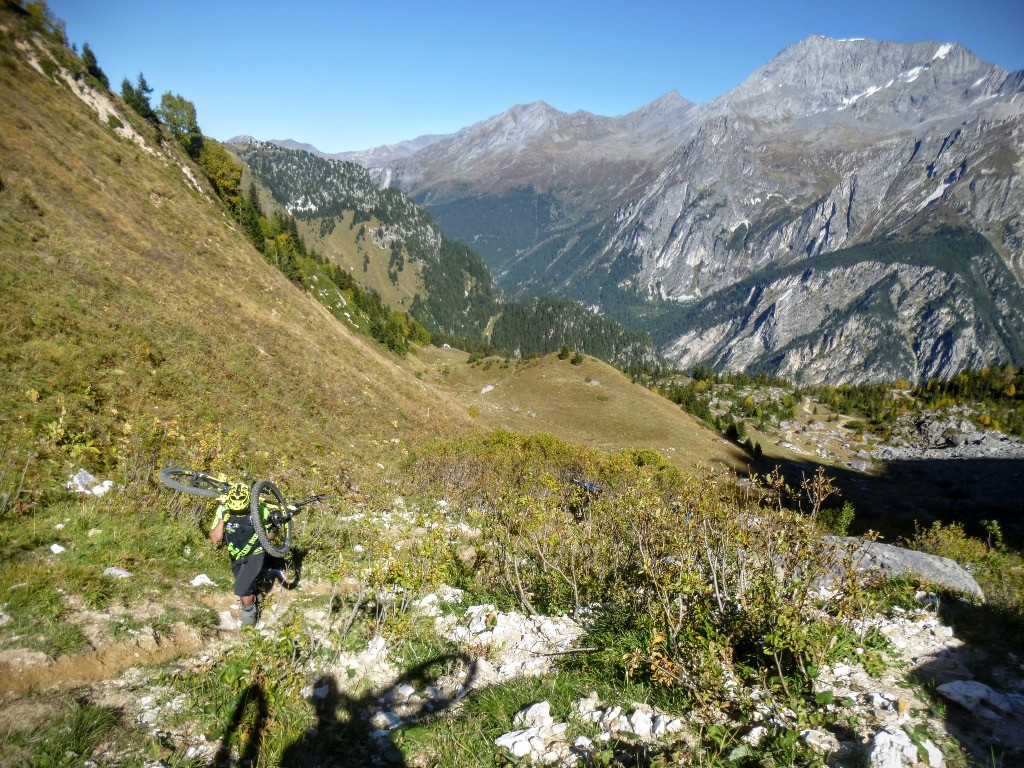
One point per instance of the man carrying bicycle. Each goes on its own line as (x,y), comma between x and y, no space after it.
(232,524)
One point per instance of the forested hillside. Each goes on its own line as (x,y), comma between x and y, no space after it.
(459,301)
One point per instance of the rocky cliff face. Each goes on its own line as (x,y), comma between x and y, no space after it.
(831,145)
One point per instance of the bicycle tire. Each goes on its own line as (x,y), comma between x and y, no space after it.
(267,492)
(193,481)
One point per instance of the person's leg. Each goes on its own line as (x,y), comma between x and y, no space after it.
(246,571)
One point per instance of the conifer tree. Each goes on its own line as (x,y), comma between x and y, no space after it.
(92,67)
(137,97)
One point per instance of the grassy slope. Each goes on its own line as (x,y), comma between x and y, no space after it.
(591,403)
(341,247)
(128,294)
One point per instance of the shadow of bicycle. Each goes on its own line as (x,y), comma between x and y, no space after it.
(345,737)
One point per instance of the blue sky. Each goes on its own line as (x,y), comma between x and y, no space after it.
(351,75)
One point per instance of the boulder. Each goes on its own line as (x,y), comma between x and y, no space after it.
(536,715)
(893,561)
(974,695)
(892,748)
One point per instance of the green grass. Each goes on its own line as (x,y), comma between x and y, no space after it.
(466,737)
(66,742)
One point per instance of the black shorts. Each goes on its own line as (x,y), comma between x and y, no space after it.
(247,570)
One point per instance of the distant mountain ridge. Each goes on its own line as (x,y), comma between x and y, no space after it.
(381,155)
(454,295)
(831,145)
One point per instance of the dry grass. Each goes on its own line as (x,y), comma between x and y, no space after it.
(341,247)
(127,294)
(592,403)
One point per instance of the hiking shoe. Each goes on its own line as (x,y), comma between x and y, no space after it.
(250,615)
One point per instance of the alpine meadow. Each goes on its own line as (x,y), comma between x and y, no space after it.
(688,437)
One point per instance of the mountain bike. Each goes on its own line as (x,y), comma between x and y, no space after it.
(270,513)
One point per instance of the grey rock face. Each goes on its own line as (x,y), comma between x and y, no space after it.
(897,561)
(832,144)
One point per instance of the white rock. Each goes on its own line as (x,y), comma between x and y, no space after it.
(517,742)
(935,759)
(820,741)
(583,706)
(405,691)
(658,725)
(582,742)
(972,694)
(116,573)
(375,648)
(81,482)
(57,549)
(755,736)
(675,725)
(321,692)
(641,724)
(536,715)
(610,717)
(385,720)
(893,748)
(202,580)
(450,594)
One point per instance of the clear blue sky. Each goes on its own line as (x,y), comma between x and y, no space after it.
(351,75)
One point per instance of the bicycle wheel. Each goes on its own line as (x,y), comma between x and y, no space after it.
(193,481)
(266,494)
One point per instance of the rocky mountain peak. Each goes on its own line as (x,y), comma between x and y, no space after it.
(822,74)
(525,121)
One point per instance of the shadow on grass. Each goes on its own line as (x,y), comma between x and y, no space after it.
(908,492)
(252,697)
(345,738)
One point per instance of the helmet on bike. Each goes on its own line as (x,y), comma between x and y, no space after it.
(238,497)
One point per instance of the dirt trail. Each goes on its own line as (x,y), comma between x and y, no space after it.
(104,662)
(22,670)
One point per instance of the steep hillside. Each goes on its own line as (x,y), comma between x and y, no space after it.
(129,296)
(442,283)
(832,144)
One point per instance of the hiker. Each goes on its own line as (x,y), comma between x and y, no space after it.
(249,562)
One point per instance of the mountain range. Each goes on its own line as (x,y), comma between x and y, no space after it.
(852,211)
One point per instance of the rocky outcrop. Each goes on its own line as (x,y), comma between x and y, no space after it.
(891,561)
(832,144)
(950,434)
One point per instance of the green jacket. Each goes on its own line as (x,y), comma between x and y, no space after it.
(239,532)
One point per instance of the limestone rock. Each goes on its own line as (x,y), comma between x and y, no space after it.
(976,696)
(894,561)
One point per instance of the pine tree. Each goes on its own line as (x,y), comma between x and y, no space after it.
(92,67)
(137,97)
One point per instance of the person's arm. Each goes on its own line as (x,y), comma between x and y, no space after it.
(217,531)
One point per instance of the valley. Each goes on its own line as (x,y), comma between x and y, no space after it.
(834,151)
(526,555)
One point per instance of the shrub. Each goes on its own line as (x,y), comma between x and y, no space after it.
(838,521)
